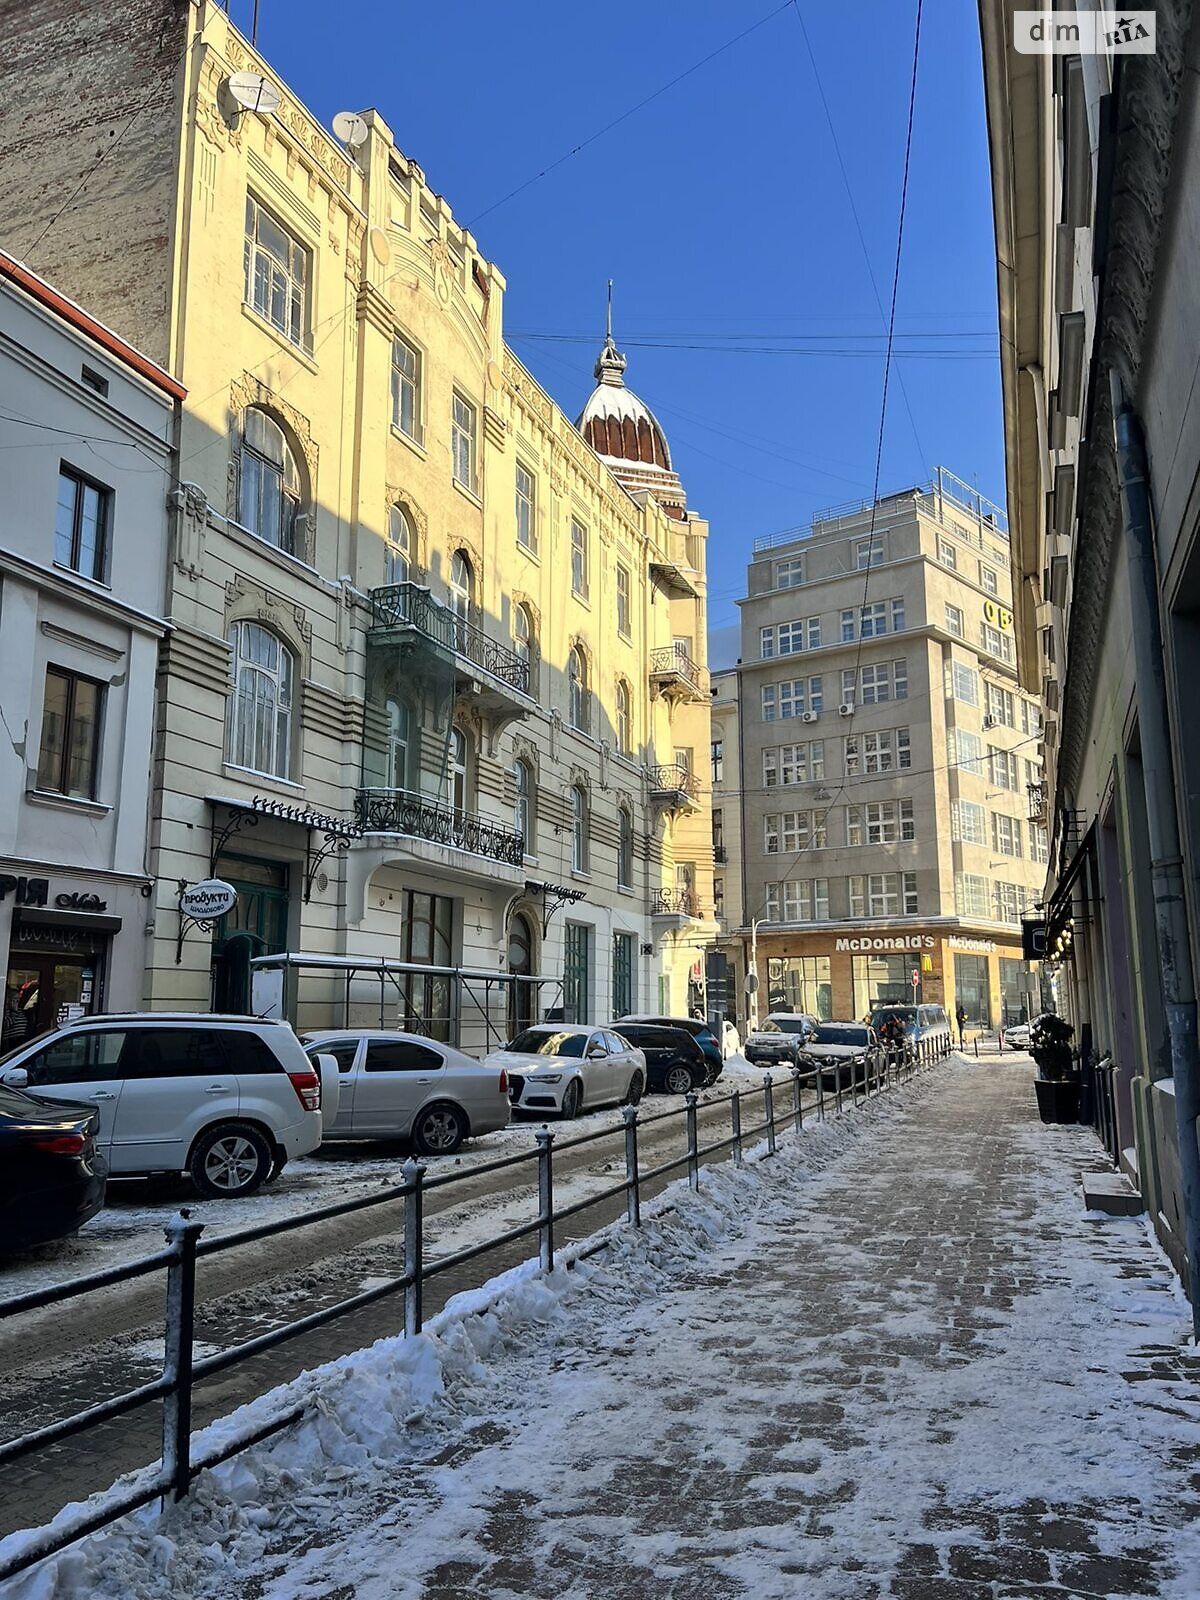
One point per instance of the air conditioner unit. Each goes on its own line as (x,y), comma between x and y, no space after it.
(989,722)
(846,710)
(808,716)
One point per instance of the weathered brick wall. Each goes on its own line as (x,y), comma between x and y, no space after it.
(72,74)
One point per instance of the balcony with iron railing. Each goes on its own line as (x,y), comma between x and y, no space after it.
(422,816)
(493,672)
(680,902)
(673,787)
(674,675)
(1036,793)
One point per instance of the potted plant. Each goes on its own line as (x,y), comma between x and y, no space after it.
(1057,1084)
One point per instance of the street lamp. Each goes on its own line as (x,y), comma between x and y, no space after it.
(753,992)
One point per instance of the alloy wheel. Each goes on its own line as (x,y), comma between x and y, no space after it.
(231,1163)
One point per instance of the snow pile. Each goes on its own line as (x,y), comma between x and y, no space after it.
(400,1398)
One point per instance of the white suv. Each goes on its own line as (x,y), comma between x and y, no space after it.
(227,1099)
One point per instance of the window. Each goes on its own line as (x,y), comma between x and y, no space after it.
(1003,768)
(872,619)
(972,895)
(794,763)
(1006,835)
(461,586)
(526,509)
(719,898)
(1008,902)
(868,553)
(718,761)
(718,833)
(947,554)
(987,577)
(268,482)
(523,636)
(260,719)
(82,525)
(793,637)
(624,718)
(883,894)
(577,971)
(399,735)
(955,621)
(766,643)
(401,1055)
(790,831)
(523,789)
(398,553)
(70,749)
(789,574)
(93,380)
(798,900)
(897,612)
(277,270)
(406,388)
(848,627)
(579,828)
(457,773)
(624,848)
(880,822)
(963,684)
(1000,706)
(791,699)
(579,698)
(1039,843)
(462,441)
(969,751)
(1031,719)
(887,750)
(622,974)
(623,627)
(579,559)
(967,822)
(87,1057)
(996,643)
(875,684)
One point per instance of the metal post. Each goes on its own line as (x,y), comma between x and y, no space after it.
(182,1234)
(633,1195)
(545,1144)
(837,1067)
(735,1118)
(797,1099)
(414,1209)
(820,1096)
(769,1104)
(693,1163)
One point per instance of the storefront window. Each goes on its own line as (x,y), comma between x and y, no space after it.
(1017,988)
(972,990)
(882,980)
(427,936)
(801,983)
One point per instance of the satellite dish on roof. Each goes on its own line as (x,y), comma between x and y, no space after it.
(252,91)
(350,128)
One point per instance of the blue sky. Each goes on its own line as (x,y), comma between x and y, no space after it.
(721,212)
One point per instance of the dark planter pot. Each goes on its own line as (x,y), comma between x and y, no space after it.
(1057,1102)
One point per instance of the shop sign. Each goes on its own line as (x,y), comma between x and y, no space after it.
(900,941)
(208,900)
(35,892)
(997,615)
(979,947)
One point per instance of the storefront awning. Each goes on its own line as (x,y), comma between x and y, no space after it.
(39,917)
(672,580)
(1059,907)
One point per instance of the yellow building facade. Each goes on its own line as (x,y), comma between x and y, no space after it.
(434,699)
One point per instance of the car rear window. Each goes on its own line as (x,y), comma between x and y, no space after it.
(401,1055)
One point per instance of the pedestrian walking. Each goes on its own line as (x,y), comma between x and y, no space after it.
(960,1016)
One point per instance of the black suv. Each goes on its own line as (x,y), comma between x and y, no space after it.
(700,1031)
(675,1062)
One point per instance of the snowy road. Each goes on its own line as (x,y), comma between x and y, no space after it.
(899,1362)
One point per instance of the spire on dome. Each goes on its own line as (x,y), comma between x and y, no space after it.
(610,364)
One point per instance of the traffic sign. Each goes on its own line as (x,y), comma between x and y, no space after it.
(751,983)
(916,979)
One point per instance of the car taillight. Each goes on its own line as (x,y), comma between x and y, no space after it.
(503,1084)
(308,1087)
(61,1144)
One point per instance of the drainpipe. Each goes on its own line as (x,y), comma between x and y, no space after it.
(1166,859)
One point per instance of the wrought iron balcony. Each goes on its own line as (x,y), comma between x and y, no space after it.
(1036,793)
(674,675)
(422,817)
(673,787)
(720,854)
(677,902)
(408,608)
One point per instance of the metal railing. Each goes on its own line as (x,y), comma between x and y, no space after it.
(1104,1107)
(673,778)
(674,661)
(852,1085)
(422,817)
(677,902)
(1036,796)
(409,605)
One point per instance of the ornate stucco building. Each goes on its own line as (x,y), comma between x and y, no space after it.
(433,698)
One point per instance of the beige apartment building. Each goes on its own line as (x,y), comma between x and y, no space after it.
(433,700)
(886,775)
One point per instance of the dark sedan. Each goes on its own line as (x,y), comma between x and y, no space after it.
(675,1060)
(51,1177)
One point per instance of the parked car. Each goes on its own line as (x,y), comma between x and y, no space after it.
(227,1099)
(51,1174)
(1017,1037)
(848,1045)
(563,1069)
(675,1062)
(781,1039)
(396,1085)
(908,1025)
(699,1030)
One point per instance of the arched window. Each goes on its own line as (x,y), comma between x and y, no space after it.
(397,556)
(523,994)
(523,634)
(462,585)
(398,737)
(458,772)
(580,697)
(268,481)
(260,711)
(579,828)
(624,848)
(624,718)
(523,804)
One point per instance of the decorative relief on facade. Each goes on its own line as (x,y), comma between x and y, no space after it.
(418,522)
(309,137)
(251,391)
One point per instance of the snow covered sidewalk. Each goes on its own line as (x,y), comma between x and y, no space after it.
(897,1362)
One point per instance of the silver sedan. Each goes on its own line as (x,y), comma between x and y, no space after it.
(404,1086)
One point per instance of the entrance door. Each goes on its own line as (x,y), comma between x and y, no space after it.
(257,926)
(43,992)
(520,964)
